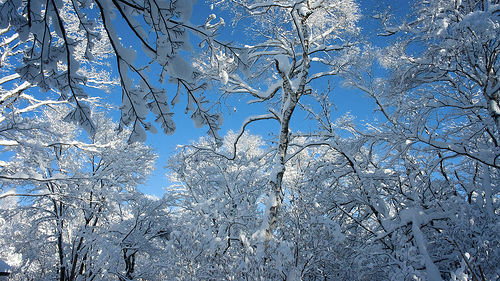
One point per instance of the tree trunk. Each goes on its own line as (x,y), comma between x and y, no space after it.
(290,98)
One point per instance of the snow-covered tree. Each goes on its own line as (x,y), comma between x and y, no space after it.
(411,196)
(62,41)
(439,140)
(20,100)
(402,189)
(294,45)
(14,83)
(78,203)
(218,209)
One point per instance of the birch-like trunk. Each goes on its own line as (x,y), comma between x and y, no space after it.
(290,98)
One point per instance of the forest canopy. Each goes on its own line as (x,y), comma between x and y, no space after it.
(412,193)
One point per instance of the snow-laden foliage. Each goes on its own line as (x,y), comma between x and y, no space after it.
(79,214)
(62,61)
(411,195)
(219,209)
(364,207)
(62,44)
(294,43)
(215,205)
(439,140)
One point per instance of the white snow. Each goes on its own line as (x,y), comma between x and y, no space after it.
(8,143)
(224,76)
(283,62)
(417,218)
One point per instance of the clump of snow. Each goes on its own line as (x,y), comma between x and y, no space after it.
(224,76)
(283,63)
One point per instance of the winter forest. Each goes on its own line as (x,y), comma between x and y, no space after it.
(286,188)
